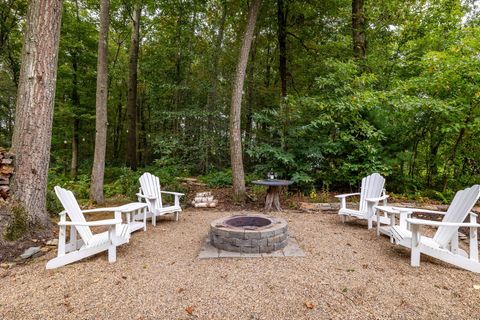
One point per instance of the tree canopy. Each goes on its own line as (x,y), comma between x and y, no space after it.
(409,108)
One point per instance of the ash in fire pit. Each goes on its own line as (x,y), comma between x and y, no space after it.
(248,222)
(249,233)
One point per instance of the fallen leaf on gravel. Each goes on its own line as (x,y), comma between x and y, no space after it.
(309,305)
(124,277)
(190,309)
(476,286)
(344,289)
(145,266)
(180,290)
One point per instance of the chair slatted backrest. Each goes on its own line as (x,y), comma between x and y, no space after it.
(74,212)
(150,185)
(372,187)
(458,210)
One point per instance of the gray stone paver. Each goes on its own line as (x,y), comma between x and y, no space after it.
(210,252)
(293,250)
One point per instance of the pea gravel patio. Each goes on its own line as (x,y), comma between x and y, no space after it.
(347,272)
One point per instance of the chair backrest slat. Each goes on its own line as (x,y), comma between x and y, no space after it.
(458,210)
(372,187)
(74,212)
(150,185)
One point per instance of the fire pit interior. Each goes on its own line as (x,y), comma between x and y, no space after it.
(249,233)
(248,222)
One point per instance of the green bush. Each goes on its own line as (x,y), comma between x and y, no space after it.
(218,179)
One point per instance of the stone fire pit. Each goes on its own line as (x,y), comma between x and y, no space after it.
(249,233)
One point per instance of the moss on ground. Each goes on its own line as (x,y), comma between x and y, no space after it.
(18,225)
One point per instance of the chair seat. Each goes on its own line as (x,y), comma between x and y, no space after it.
(404,236)
(122,236)
(167,209)
(351,212)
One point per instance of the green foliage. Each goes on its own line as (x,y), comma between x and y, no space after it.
(218,179)
(412,112)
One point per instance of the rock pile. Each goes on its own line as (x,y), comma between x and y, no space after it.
(6,172)
(204,200)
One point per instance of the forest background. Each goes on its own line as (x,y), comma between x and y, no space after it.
(330,94)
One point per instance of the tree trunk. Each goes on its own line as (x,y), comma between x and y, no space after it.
(212,94)
(75,102)
(132,89)
(236,158)
(250,95)
(282,46)
(358,32)
(34,112)
(96,187)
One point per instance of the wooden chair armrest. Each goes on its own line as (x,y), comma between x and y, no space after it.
(440,223)
(174,193)
(91,223)
(112,209)
(347,195)
(378,199)
(145,197)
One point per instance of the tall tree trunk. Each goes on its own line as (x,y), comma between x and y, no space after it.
(358,32)
(75,102)
(236,157)
(212,94)
(118,126)
(250,93)
(76,120)
(98,171)
(34,112)
(132,89)
(282,46)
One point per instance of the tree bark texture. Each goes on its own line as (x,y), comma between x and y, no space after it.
(132,89)
(212,93)
(34,111)
(236,157)
(282,46)
(98,170)
(358,30)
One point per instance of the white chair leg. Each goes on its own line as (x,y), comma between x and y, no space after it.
(370,223)
(344,218)
(112,253)
(415,255)
(176,215)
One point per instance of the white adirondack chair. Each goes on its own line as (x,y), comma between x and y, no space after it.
(89,243)
(372,192)
(444,245)
(151,192)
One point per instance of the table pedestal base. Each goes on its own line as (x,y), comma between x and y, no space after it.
(273,198)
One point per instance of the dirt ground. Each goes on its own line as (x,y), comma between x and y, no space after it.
(348,273)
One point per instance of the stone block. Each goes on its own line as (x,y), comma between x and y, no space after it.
(280,245)
(259,242)
(250,249)
(281,231)
(268,234)
(252,235)
(244,242)
(267,248)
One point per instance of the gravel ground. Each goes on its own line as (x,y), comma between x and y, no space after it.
(348,273)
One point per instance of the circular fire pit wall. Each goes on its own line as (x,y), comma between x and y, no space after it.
(249,233)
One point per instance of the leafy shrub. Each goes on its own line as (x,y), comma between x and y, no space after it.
(218,179)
